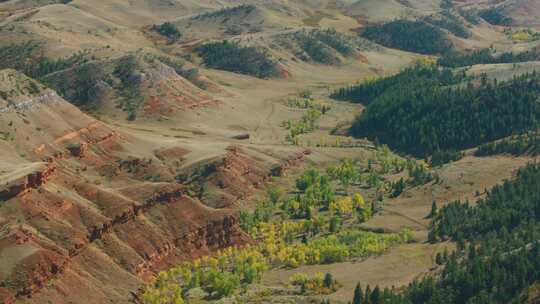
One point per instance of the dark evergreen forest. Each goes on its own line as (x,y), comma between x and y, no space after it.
(420,112)
(232,57)
(498,255)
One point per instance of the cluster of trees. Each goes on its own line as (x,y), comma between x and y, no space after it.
(168,30)
(485,56)
(318,284)
(424,117)
(232,57)
(368,91)
(498,256)
(348,205)
(305,100)
(416,36)
(315,191)
(495,16)
(29,59)
(419,175)
(346,172)
(307,123)
(528,143)
(315,194)
(219,276)
(385,162)
(388,162)
(335,248)
(375,296)
(441,157)
(250,220)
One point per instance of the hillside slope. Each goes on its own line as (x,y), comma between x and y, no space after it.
(86,207)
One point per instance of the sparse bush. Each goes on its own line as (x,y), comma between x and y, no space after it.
(318,284)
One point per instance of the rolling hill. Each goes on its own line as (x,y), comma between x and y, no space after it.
(259,151)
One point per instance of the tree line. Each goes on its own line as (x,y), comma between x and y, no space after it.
(425,116)
(367,91)
(485,56)
(522,144)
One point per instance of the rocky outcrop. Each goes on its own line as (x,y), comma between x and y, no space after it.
(22,184)
(215,234)
(6,297)
(139,226)
(134,210)
(239,173)
(27,104)
(221,230)
(279,169)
